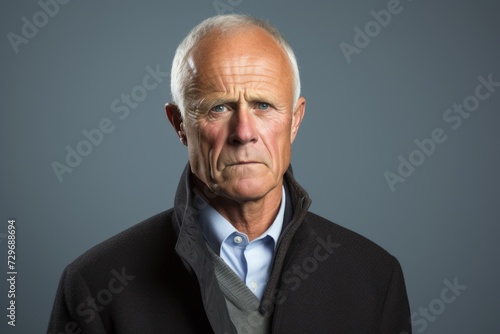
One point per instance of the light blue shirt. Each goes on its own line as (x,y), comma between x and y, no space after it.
(251,261)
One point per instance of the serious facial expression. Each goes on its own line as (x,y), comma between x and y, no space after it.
(242,122)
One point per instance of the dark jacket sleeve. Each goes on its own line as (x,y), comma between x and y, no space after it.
(396,310)
(71,312)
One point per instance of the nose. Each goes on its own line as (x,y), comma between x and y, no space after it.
(242,127)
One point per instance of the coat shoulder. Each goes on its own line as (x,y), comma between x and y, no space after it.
(141,243)
(359,248)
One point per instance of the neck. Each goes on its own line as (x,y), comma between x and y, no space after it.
(250,217)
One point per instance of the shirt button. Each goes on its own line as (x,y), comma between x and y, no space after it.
(238,239)
(254,285)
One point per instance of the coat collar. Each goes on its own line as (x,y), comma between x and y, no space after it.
(192,249)
(185,211)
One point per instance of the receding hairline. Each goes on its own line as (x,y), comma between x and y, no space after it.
(224,26)
(222,34)
(228,31)
(237,22)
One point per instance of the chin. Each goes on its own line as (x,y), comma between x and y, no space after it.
(246,190)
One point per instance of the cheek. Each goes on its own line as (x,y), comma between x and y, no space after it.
(208,144)
(195,149)
(277,141)
(277,134)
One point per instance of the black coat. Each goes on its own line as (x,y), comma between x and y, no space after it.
(157,277)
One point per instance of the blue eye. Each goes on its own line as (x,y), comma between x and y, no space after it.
(219,108)
(263,106)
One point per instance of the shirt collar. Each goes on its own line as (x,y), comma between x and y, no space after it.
(216,228)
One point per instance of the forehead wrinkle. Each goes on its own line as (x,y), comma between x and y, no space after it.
(232,71)
(221,75)
(242,61)
(230,84)
(243,96)
(238,93)
(247,44)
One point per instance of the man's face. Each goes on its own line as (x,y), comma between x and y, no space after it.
(240,132)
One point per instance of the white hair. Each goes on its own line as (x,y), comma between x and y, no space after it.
(180,77)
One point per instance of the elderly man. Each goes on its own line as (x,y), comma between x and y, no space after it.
(239,252)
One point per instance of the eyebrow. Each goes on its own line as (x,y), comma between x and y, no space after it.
(214,99)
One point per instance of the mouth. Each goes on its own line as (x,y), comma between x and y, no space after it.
(241,163)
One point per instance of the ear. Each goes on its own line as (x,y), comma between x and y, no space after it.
(175,118)
(297,116)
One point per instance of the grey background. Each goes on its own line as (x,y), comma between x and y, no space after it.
(441,223)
